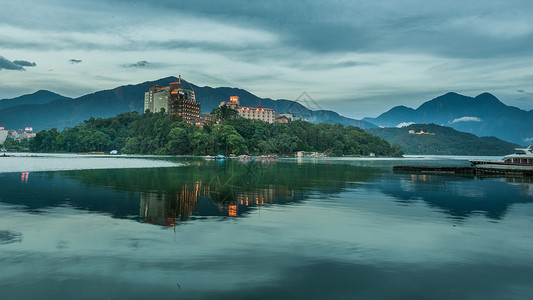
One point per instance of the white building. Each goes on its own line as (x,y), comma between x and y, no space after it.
(156,99)
(254,113)
(3,136)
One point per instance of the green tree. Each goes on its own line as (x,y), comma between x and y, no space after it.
(178,141)
(225,113)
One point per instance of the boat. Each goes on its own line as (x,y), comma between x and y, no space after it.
(522,159)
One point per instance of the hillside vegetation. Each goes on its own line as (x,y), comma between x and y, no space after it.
(440,140)
(159,133)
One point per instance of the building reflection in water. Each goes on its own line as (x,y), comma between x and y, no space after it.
(243,200)
(24,177)
(169,209)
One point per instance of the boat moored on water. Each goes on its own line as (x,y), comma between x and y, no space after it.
(522,159)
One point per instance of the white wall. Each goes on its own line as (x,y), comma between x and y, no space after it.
(3,136)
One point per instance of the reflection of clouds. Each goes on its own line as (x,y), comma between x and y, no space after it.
(469,191)
(407,185)
(59,162)
(360,241)
(525,184)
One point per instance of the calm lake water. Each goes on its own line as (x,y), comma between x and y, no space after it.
(186,228)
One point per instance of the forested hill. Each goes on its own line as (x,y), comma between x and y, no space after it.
(431,139)
(160,133)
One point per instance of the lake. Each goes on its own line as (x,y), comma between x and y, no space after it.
(90,227)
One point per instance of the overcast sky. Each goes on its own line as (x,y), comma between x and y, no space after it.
(359,58)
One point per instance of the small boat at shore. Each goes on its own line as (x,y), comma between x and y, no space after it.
(522,159)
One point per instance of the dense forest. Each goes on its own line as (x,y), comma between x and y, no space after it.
(441,140)
(160,133)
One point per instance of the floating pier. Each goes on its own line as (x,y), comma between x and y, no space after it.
(462,171)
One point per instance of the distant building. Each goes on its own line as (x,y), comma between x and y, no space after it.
(174,99)
(204,119)
(3,136)
(282,119)
(182,102)
(156,99)
(254,113)
(421,132)
(18,135)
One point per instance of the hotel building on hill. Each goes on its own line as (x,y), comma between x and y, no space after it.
(255,113)
(174,99)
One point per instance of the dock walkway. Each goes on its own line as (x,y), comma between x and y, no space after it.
(462,171)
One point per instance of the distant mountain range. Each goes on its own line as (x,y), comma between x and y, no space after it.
(39,97)
(432,139)
(45,110)
(483,115)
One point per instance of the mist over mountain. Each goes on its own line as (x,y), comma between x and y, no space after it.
(483,115)
(40,112)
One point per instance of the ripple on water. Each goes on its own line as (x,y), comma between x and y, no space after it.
(8,237)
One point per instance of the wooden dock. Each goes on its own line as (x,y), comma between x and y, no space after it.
(462,171)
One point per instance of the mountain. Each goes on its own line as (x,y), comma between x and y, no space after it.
(483,115)
(432,139)
(67,112)
(39,97)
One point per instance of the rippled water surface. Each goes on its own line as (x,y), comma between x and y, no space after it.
(186,228)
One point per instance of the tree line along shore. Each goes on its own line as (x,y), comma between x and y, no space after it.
(164,134)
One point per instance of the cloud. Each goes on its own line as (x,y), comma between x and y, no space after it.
(466,119)
(24,63)
(9,65)
(528,140)
(139,64)
(75,61)
(404,124)
(314,65)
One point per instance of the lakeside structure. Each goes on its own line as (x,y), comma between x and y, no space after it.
(254,113)
(17,135)
(174,99)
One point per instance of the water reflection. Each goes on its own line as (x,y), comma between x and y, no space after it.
(168,196)
(168,209)
(320,230)
(8,237)
(460,197)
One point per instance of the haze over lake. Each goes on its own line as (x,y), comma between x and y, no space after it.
(187,228)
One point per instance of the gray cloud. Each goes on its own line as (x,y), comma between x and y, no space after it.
(490,29)
(139,64)
(75,61)
(328,65)
(24,63)
(368,26)
(17,65)
(404,49)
